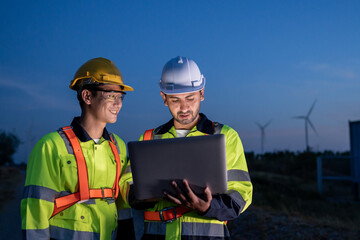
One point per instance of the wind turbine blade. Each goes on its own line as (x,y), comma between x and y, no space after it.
(258,125)
(312,107)
(300,117)
(312,126)
(267,124)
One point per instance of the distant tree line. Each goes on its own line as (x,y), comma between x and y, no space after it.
(302,164)
(9,143)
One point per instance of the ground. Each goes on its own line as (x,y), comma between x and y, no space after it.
(287,217)
(259,223)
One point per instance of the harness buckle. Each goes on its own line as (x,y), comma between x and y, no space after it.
(162,215)
(113,194)
(107,198)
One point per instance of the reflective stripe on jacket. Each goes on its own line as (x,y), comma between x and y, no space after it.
(223,207)
(52,172)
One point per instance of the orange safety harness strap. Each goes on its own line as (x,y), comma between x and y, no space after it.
(167,214)
(85,193)
(148,134)
(81,164)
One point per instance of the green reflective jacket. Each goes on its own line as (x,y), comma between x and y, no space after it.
(52,172)
(212,225)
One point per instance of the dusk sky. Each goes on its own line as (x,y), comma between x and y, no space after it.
(263,60)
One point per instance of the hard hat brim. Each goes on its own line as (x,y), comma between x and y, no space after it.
(73,85)
(178,89)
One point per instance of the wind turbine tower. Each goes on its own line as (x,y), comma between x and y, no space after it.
(307,121)
(262,129)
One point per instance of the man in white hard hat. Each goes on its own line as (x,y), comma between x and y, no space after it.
(73,174)
(187,216)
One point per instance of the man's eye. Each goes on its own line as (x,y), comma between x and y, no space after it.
(117,97)
(110,96)
(190,99)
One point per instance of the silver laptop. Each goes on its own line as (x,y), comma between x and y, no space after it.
(155,163)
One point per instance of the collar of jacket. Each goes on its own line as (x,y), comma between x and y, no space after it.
(204,125)
(82,134)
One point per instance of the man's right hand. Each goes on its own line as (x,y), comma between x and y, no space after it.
(189,199)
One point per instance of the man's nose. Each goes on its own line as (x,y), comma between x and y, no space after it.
(117,101)
(184,105)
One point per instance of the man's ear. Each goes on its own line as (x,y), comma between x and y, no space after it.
(86,96)
(202,94)
(163,95)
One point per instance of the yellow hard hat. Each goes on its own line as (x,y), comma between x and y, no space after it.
(98,70)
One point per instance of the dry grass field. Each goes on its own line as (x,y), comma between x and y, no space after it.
(286,204)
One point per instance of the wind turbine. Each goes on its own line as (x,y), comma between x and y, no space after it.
(307,121)
(262,129)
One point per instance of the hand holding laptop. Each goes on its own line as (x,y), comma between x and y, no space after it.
(186,197)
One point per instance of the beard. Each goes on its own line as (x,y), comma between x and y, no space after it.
(188,120)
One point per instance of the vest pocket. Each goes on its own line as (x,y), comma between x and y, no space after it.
(75,217)
(69,175)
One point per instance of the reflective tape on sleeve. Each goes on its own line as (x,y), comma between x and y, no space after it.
(236,196)
(238,175)
(39,192)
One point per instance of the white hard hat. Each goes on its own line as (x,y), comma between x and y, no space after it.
(181,75)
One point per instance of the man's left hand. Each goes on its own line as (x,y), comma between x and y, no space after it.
(189,199)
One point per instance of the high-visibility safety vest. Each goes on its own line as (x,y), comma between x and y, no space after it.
(54,182)
(168,221)
(84,193)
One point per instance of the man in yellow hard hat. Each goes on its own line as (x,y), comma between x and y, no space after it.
(73,174)
(186,215)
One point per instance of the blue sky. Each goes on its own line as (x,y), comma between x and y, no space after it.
(263,60)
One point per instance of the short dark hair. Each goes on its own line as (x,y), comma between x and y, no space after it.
(91,88)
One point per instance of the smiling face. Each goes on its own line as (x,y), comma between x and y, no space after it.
(104,107)
(184,108)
